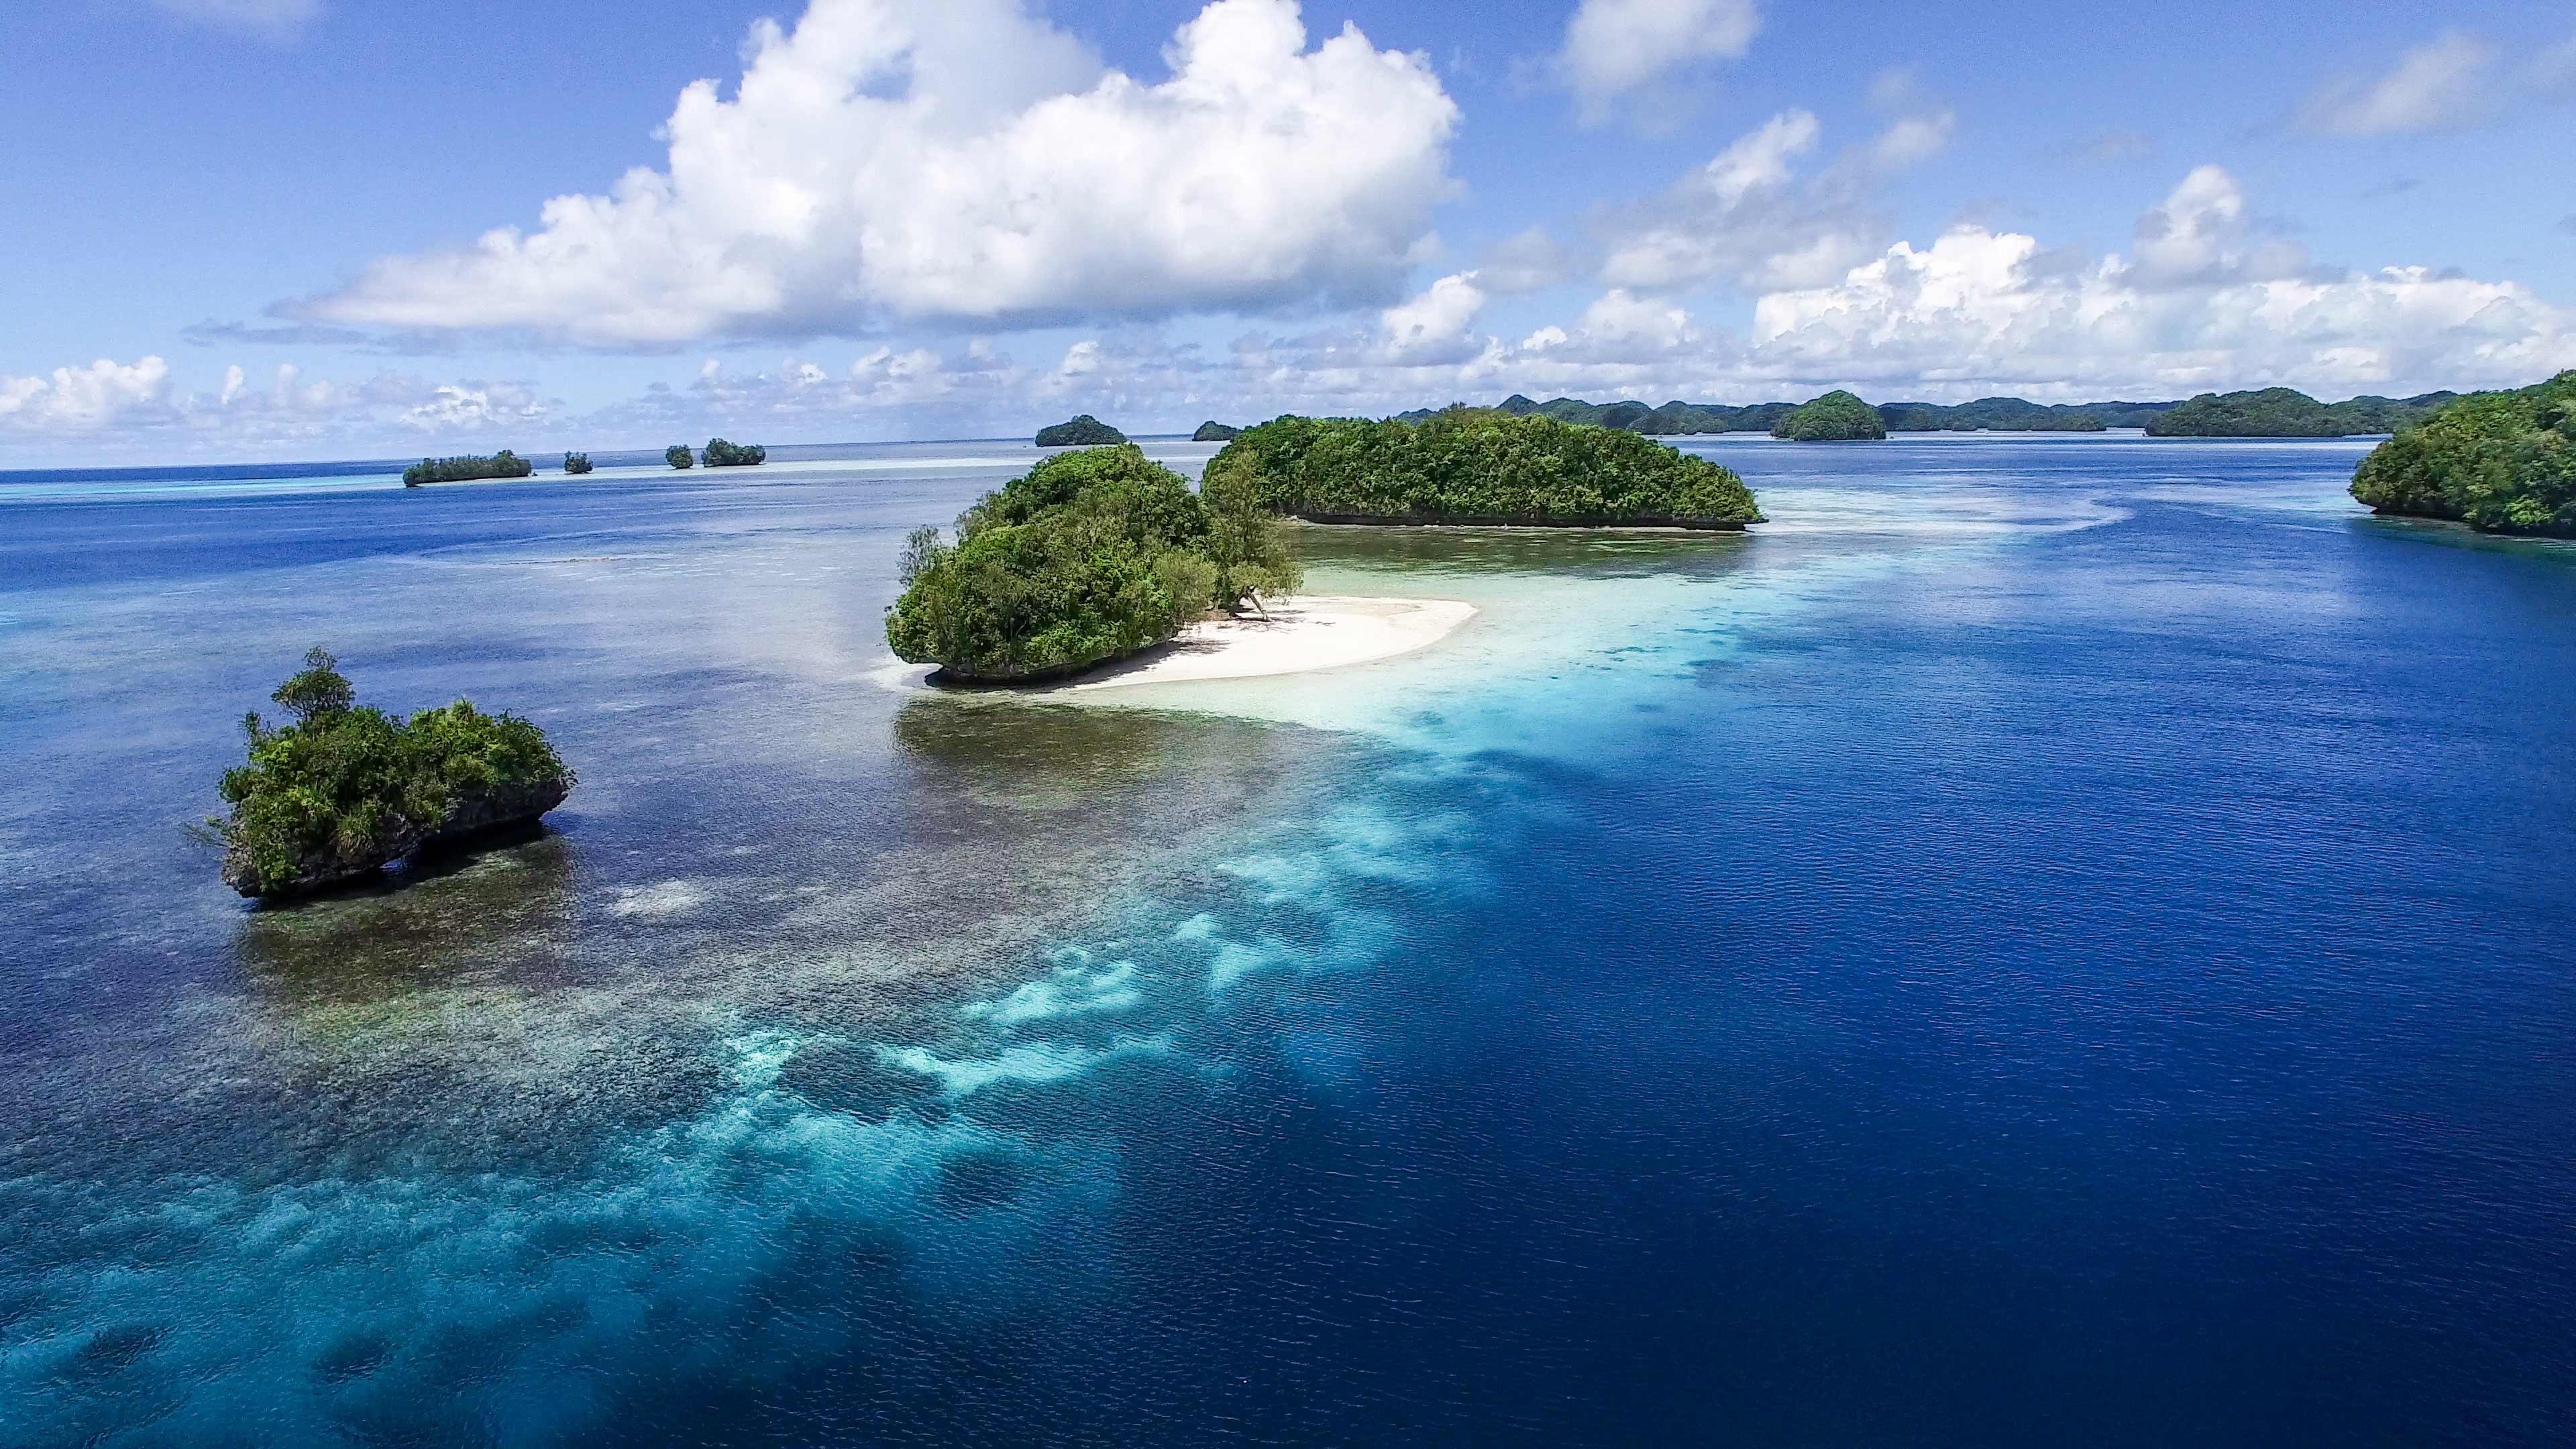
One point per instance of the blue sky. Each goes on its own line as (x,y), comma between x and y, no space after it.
(249,228)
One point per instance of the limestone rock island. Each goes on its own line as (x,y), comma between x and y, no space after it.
(1084,431)
(345,790)
(1837,417)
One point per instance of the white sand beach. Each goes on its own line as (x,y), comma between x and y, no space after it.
(1301,634)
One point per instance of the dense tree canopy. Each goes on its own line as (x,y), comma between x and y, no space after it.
(576,463)
(2212,415)
(2501,461)
(2280,412)
(503,464)
(343,790)
(1090,556)
(720,454)
(1475,465)
(1635,417)
(1084,431)
(679,456)
(1837,417)
(1991,414)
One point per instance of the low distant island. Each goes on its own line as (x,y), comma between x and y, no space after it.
(576,464)
(2280,412)
(346,790)
(1478,466)
(503,464)
(1088,558)
(720,454)
(2269,413)
(679,456)
(1837,417)
(1213,431)
(2500,462)
(1083,431)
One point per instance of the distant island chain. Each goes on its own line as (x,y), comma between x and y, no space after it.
(1099,554)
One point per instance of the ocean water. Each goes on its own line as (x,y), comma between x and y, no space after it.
(2051,940)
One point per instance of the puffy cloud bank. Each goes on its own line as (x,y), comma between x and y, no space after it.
(118,405)
(1752,218)
(963,161)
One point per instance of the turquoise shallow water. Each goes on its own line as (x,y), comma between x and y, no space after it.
(2050,940)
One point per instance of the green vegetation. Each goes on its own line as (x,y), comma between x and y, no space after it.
(2280,412)
(1089,557)
(1991,414)
(345,790)
(679,456)
(1213,431)
(1837,417)
(2276,413)
(576,464)
(1084,431)
(2500,461)
(1673,418)
(503,464)
(1477,465)
(720,454)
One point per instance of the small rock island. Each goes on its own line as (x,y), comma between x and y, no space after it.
(720,454)
(1090,557)
(1083,431)
(346,790)
(503,464)
(1837,417)
(576,464)
(1213,431)
(2500,462)
(1477,466)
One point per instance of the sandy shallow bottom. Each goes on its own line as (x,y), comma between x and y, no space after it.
(1300,635)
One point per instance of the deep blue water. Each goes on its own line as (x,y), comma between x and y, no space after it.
(2051,941)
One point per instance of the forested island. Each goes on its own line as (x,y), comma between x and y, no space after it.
(345,790)
(1213,431)
(2011,415)
(1837,417)
(679,456)
(720,454)
(2502,462)
(503,464)
(1089,557)
(2280,412)
(2271,413)
(576,464)
(1083,431)
(1480,466)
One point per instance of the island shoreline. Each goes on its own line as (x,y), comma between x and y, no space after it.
(1306,634)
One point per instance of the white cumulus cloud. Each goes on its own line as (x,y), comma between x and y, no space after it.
(2189,313)
(1436,321)
(1617,50)
(127,406)
(1751,218)
(82,399)
(964,162)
